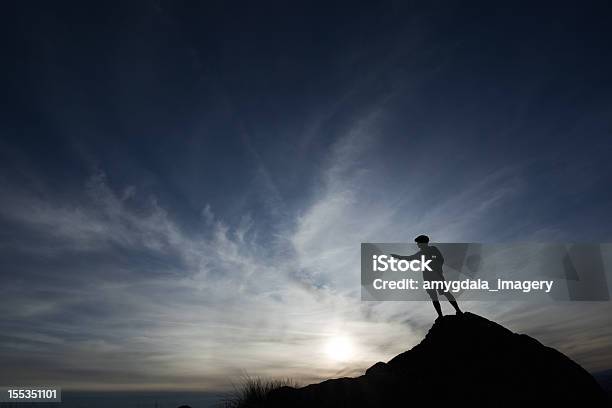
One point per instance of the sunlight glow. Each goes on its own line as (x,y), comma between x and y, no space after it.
(339,348)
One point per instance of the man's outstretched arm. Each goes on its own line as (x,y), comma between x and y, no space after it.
(407,257)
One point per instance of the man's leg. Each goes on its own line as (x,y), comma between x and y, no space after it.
(434,298)
(452,301)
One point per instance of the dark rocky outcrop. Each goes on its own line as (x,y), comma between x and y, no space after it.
(604,378)
(463,359)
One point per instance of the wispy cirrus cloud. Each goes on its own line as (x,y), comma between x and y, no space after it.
(110,288)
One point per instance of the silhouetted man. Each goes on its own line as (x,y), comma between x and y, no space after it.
(432,253)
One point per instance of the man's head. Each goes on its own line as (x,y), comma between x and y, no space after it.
(422,241)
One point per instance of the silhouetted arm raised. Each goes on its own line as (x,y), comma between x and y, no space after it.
(407,257)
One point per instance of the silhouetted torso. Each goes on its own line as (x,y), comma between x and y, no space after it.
(437,260)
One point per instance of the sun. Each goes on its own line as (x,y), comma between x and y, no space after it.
(339,348)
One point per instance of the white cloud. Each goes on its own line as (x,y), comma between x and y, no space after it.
(221,301)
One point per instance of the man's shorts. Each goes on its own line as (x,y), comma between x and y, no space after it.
(433,276)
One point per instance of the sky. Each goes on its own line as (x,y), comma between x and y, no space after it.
(184,187)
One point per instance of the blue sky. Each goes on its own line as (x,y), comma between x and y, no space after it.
(184,189)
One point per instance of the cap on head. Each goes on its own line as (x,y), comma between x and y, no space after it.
(421,239)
